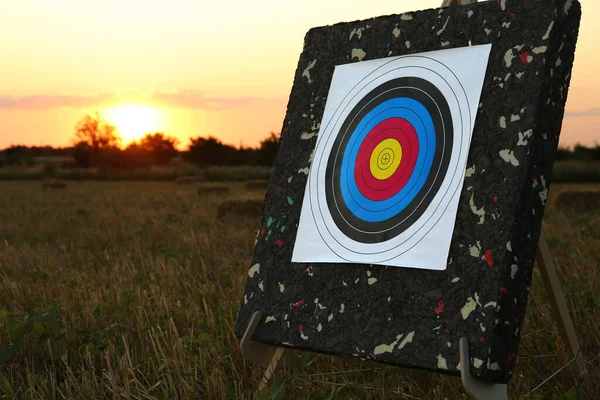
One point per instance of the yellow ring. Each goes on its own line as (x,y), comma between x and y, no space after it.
(385,159)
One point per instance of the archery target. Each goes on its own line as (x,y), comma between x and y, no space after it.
(390,159)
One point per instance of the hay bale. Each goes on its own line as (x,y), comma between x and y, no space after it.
(53,184)
(208,190)
(240,208)
(579,201)
(188,180)
(257,185)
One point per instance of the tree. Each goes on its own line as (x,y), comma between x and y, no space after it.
(160,147)
(96,132)
(95,141)
(267,152)
(209,151)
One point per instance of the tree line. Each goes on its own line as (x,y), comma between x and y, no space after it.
(96,143)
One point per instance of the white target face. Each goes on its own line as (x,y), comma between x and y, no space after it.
(390,159)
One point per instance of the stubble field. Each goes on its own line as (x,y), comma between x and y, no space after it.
(131,290)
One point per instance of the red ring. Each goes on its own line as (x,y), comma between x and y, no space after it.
(373,188)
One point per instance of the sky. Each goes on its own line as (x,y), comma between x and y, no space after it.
(193,68)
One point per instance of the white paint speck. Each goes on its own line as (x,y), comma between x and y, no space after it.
(407,44)
(547,35)
(539,50)
(514,117)
(469,13)
(358,32)
(509,157)
(342,308)
(544,192)
(406,17)
(468,308)
(255,269)
(568,5)
(330,318)
(270,319)
(513,270)
(359,54)
(502,122)
(307,135)
(477,362)
(441,362)
(480,212)
(371,281)
(319,328)
(306,72)
(396,32)
(444,44)
(455,280)
(508,57)
(523,136)
(261,286)
(474,250)
(444,27)
(470,171)
(303,171)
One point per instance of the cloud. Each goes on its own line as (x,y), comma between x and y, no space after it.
(180,99)
(590,112)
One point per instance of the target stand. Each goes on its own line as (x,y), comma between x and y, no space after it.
(269,356)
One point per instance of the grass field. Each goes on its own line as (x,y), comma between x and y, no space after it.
(131,290)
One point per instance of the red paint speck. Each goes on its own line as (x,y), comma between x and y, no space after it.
(481,339)
(455,315)
(279,243)
(488,257)
(446,330)
(300,328)
(414,311)
(513,16)
(440,308)
(495,199)
(504,290)
(497,269)
(263,231)
(298,304)
(525,57)
(511,357)
(550,92)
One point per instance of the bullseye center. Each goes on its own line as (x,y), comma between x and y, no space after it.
(385,159)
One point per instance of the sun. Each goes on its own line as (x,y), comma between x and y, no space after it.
(133,121)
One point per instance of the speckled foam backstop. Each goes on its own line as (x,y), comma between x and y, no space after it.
(410,317)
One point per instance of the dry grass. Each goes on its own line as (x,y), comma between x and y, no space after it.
(578,201)
(188,180)
(247,208)
(147,287)
(212,190)
(54,184)
(257,185)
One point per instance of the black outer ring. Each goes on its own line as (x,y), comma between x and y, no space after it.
(437,106)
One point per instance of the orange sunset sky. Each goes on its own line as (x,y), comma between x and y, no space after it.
(189,68)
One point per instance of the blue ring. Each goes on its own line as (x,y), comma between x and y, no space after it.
(418,116)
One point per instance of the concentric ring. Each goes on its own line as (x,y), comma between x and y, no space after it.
(362,215)
(420,106)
